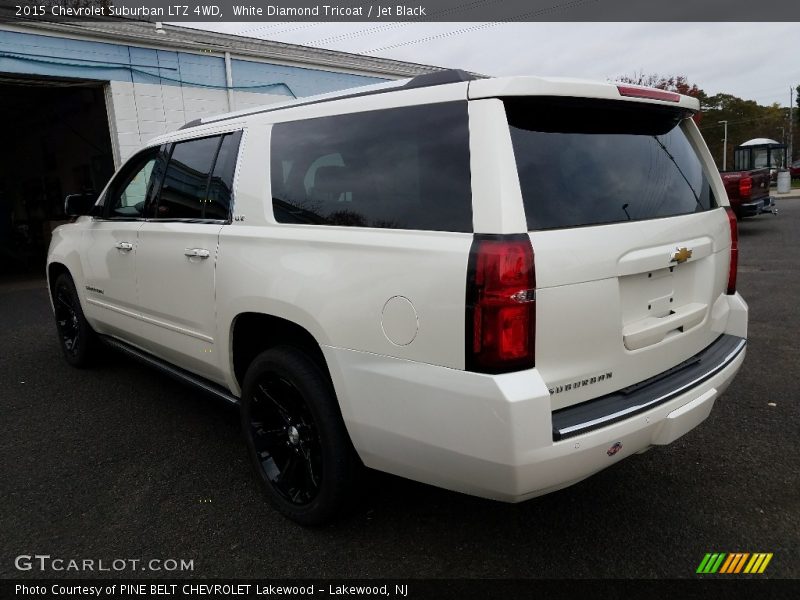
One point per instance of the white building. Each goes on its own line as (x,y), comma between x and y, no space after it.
(79,98)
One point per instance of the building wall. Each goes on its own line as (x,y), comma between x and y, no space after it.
(151,91)
(140,111)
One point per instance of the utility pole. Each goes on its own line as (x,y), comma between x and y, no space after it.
(791,123)
(725,147)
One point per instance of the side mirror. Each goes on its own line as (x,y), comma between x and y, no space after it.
(76,205)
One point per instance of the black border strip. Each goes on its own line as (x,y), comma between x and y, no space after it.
(172,371)
(625,403)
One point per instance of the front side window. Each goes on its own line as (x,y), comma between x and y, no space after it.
(185,186)
(198,180)
(400,168)
(220,188)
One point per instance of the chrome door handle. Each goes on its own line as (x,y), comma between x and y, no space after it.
(196,253)
(124,246)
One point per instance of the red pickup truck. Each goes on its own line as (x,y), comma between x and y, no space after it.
(748,192)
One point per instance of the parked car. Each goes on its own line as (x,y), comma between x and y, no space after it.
(496,286)
(748,192)
(794,169)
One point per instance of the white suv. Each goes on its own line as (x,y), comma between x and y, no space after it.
(496,286)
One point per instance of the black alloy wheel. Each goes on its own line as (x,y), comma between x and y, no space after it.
(295,436)
(285,438)
(76,337)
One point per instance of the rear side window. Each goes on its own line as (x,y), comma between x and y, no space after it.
(589,162)
(198,179)
(400,168)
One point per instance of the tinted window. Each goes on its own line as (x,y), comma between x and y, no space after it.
(129,191)
(185,186)
(405,168)
(592,162)
(221,185)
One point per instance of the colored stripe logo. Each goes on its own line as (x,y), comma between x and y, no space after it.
(734,563)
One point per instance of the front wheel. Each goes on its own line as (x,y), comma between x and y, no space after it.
(295,436)
(77,338)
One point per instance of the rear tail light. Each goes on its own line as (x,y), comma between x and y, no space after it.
(734,265)
(745,187)
(501,306)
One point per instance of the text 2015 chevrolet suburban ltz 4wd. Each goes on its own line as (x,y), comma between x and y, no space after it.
(495,286)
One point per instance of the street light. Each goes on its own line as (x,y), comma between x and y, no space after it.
(791,123)
(725,147)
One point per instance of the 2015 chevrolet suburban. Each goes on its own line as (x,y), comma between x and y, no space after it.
(496,286)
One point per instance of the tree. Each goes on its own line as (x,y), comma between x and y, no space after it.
(797,101)
(746,118)
(672,83)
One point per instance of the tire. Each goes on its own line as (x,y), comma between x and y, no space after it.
(295,436)
(76,337)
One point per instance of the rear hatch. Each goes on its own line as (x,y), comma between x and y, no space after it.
(759,187)
(631,247)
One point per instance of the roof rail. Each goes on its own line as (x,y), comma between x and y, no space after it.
(420,81)
(439,78)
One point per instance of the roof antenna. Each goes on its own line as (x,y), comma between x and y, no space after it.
(160,28)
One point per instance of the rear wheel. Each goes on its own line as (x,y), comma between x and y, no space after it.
(295,436)
(77,338)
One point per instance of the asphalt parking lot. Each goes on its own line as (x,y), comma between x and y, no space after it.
(120,461)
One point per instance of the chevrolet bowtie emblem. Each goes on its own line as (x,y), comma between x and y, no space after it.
(681,256)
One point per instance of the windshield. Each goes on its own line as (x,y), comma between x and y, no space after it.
(591,162)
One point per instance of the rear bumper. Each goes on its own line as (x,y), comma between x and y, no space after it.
(627,402)
(492,436)
(762,205)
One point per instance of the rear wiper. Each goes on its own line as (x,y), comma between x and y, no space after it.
(674,162)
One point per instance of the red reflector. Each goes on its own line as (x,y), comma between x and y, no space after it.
(745,187)
(651,93)
(501,308)
(734,264)
(513,332)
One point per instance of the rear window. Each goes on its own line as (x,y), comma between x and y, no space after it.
(590,162)
(399,168)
